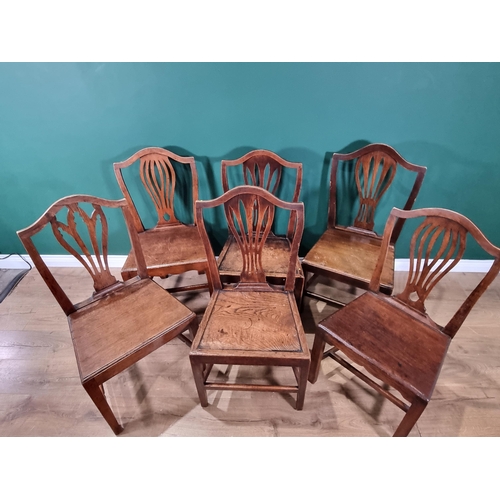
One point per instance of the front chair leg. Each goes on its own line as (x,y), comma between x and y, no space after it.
(302,383)
(411,417)
(316,357)
(96,393)
(199,380)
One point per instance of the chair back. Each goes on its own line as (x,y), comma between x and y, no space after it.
(264,169)
(159,179)
(436,247)
(374,172)
(249,212)
(85,237)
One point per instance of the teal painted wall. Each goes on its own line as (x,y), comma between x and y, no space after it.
(63,125)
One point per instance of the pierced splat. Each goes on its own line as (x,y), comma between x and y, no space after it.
(263,168)
(374,173)
(446,239)
(250,218)
(158,177)
(249,212)
(262,171)
(97,266)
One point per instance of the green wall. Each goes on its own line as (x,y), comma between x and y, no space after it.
(63,125)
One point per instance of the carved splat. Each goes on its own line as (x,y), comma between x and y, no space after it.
(446,240)
(262,171)
(374,173)
(250,218)
(97,266)
(158,177)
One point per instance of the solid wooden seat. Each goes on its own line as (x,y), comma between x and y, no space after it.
(265,323)
(349,254)
(370,333)
(122,321)
(263,168)
(170,247)
(126,331)
(338,253)
(393,338)
(252,322)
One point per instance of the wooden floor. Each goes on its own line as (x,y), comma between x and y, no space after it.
(41,394)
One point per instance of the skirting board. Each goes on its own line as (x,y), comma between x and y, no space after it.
(15,262)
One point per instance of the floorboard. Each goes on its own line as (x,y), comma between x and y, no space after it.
(41,394)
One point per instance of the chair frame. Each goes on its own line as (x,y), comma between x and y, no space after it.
(253,165)
(162,195)
(105,284)
(252,279)
(364,226)
(420,282)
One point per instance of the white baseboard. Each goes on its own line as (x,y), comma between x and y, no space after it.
(15,262)
(464,266)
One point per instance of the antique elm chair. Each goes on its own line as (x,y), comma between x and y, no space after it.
(393,338)
(251,322)
(121,322)
(348,254)
(170,247)
(264,169)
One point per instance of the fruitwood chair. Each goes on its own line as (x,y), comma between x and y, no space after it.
(251,322)
(349,254)
(264,169)
(121,322)
(393,338)
(170,247)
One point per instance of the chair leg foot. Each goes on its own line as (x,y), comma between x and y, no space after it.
(411,417)
(316,357)
(96,393)
(199,381)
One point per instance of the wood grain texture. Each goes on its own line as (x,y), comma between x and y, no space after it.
(412,354)
(251,323)
(95,350)
(348,254)
(121,322)
(41,392)
(337,255)
(171,250)
(392,337)
(264,169)
(264,323)
(170,247)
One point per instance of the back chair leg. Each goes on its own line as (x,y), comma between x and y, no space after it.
(411,417)
(193,327)
(96,393)
(316,357)
(299,291)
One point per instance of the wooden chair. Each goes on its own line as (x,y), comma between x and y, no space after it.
(264,169)
(251,322)
(393,338)
(349,254)
(170,247)
(122,321)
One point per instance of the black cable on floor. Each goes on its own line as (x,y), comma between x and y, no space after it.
(10,278)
